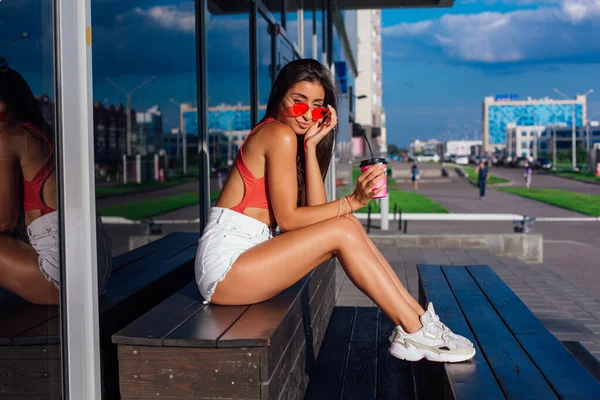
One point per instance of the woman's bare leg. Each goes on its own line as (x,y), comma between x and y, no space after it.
(407,296)
(20,272)
(275,265)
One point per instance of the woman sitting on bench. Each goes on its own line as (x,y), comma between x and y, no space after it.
(30,263)
(277,180)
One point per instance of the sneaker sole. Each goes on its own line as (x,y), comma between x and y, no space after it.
(391,338)
(446,357)
(414,354)
(405,354)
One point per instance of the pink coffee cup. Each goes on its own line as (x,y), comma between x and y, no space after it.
(365,164)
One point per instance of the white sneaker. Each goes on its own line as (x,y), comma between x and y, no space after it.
(431,317)
(430,343)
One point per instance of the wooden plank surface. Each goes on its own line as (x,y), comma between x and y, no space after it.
(152,280)
(360,377)
(189,373)
(566,375)
(585,358)
(322,317)
(125,259)
(471,379)
(326,380)
(153,326)
(271,388)
(27,319)
(517,374)
(395,378)
(205,327)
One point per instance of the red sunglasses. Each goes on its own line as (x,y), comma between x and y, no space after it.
(300,108)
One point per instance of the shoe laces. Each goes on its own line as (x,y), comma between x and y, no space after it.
(435,328)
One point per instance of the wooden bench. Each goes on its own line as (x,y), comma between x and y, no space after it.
(185,349)
(517,357)
(30,351)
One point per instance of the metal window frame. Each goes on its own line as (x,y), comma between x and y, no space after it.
(201,8)
(75,173)
(254,63)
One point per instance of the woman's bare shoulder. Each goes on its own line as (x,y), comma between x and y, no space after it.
(276,133)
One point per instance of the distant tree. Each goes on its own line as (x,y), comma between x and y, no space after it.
(393,150)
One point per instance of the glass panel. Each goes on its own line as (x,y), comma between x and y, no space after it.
(228,70)
(30,334)
(264,64)
(145,97)
(292,20)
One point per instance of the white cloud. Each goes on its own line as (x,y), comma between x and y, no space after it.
(566,30)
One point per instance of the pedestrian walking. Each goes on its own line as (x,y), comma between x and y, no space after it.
(415,176)
(483,174)
(527,175)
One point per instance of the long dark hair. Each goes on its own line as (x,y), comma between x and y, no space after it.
(20,101)
(312,71)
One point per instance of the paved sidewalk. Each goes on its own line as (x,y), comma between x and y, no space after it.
(462,197)
(545,180)
(188,187)
(570,313)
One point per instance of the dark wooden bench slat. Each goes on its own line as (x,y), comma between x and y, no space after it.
(308,335)
(127,283)
(325,383)
(587,360)
(566,375)
(141,266)
(395,379)
(471,379)
(23,322)
(360,377)
(512,366)
(205,327)
(46,333)
(153,326)
(123,260)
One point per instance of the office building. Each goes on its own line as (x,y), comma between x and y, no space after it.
(523,140)
(500,111)
(368,90)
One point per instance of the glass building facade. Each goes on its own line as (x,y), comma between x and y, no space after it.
(497,114)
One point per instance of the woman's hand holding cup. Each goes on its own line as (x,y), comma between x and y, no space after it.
(366,185)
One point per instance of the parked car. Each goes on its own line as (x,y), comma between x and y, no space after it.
(519,162)
(542,163)
(428,157)
(462,160)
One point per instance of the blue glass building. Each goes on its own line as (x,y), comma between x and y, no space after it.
(223,118)
(497,113)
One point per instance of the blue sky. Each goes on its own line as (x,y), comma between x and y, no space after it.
(438,64)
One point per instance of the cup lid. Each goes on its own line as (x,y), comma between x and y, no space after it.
(372,161)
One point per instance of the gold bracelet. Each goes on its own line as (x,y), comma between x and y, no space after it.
(349,205)
(346,207)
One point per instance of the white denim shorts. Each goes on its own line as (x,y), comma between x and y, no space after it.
(226,236)
(44,238)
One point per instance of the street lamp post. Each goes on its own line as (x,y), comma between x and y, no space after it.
(128,97)
(573,129)
(23,35)
(182,133)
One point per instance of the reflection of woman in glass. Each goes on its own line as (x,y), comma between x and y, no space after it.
(28,189)
(277,180)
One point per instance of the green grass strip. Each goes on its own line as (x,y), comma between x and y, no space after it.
(153,207)
(473,177)
(106,191)
(407,202)
(583,203)
(580,176)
